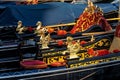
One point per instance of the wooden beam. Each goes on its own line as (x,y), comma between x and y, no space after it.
(71,24)
(112,19)
(98,33)
(53,26)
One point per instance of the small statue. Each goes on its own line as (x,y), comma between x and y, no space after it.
(40,30)
(19,27)
(69,42)
(39,25)
(45,41)
(72,48)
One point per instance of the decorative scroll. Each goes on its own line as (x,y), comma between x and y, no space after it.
(52,57)
(59,57)
(92,62)
(50,60)
(100,44)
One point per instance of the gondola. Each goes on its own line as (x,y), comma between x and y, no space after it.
(27,57)
(82,67)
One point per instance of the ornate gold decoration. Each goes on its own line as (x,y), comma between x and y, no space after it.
(20,27)
(72,48)
(92,15)
(45,41)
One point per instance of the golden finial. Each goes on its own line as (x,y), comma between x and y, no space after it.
(19,24)
(90,3)
(20,28)
(69,39)
(38,24)
(45,41)
(92,38)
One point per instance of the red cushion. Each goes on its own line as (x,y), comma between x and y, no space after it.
(102,52)
(61,32)
(98,52)
(60,42)
(91,51)
(83,42)
(57,64)
(31,64)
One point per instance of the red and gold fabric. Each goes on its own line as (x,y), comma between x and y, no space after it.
(91,16)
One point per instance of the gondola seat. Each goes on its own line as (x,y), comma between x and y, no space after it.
(33,64)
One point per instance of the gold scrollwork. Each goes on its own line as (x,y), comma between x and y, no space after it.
(102,42)
(93,62)
(50,60)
